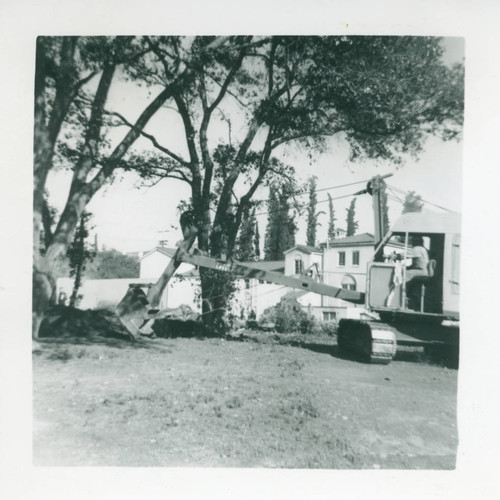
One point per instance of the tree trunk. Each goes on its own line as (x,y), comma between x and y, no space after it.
(44,294)
(217,287)
(216,291)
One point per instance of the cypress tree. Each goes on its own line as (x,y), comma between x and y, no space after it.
(281,226)
(79,253)
(245,249)
(312,215)
(351,222)
(256,239)
(331,219)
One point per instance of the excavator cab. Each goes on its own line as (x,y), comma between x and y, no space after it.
(395,288)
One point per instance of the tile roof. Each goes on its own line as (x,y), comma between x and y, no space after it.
(357,239)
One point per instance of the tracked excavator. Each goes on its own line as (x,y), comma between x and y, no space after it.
(427,317)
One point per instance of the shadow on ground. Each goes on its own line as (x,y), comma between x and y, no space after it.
(64,325)
(67,325)
(330,347)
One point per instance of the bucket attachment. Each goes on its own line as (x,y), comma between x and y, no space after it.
(137,311)
(134,311)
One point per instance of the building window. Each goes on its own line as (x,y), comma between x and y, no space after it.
(299,266)
(355,258)
(348,283)
(329,316)
(341,258)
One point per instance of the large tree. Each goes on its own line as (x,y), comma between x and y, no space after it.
(384,95)
(73,79)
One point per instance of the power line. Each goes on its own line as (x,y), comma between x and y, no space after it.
(421,199)
(303,206)
(302,193)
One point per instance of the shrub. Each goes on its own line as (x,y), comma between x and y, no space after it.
(288,316)
(307,323)
(328,328)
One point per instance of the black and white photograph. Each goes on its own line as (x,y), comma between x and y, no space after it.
(248,252)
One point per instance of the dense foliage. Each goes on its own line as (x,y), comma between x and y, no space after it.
(412,203)
(247,244)
(112,264)
(281,226)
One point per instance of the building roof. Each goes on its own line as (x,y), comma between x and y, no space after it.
(356,240)
(304,248)
(169,252)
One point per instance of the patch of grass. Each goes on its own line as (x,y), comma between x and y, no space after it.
(236,410)
(217,409)
(291,368)
(204,398)
(342,448)
(295,409)
(60,355)
(234,402)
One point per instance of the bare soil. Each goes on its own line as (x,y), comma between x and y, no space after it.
(260,400)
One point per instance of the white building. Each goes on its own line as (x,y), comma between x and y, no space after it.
(341,263)
(302,258)
(345,262)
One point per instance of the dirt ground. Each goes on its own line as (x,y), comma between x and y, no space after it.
(251,402)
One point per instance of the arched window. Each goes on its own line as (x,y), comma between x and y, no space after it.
(348,282)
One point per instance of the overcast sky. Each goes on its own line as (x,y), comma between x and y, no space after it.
(130,219)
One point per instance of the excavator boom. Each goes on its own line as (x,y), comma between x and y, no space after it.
(137,310)
(247,272)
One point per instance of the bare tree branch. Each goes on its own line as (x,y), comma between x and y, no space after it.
(152,138)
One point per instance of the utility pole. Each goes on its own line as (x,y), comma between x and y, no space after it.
(376,187)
